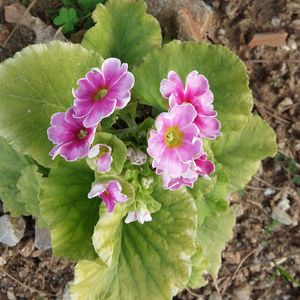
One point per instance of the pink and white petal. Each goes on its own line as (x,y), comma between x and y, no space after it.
(183,115)
(124,82)
(163,121)
(156,144)
(112,70)
(170,162)
(55,151)
(58,119)
(204,167)
(85,89)
(196,85)
(102,109)
(173,100)
(96,190)
(104,163)
(82,108)
(146,215)
(190,132)
(124,100)
(114,188)
(74,150)
(94,151)
(209,127)
(95,78)
(172,85)
(131,217)
(188,151)
(91,135)
(109,202)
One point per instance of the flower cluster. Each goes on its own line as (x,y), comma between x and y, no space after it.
(176,145)
(97,96)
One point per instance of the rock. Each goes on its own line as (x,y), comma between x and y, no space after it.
(11,295)
(284,203)
(238,210)
(214,296)
(192,18)
(281,216)
(232,257)
(2,261)
(42,240)
(17,14)
(242,292)
(273,39)
(12,230)
(269,192)
(43,32)
(287,101)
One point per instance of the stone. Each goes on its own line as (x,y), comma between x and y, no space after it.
(238,210)
(2,261)
(273,39)
(281,216)
(42,240)
(12,230)
(269,192)
(214,296)
(191,19)
(4,33)
(242,292)
(17,14)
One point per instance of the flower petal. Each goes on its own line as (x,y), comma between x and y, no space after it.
(96,190)
(196,85)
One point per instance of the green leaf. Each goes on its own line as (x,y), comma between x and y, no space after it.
(240,152)
(67,18)
(119,151)
(123,30)
(29,186)
(35,84)
(226,73)
(11,165)
(89,4)
(212,237)
(149,261)
(70,215)
(211,200)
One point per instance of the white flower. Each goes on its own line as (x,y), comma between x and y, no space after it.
(142,215)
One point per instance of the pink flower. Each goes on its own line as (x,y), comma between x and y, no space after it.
(109,192)
(204,167)
(72,139)
(142,215)
(196,92)
(175,144)
(102,91)
(101,155)
(199,167)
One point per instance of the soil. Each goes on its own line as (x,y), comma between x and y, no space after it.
(263,259)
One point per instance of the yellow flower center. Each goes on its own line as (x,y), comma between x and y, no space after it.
(103,151)
(173,137)
(101,94)
(82,134)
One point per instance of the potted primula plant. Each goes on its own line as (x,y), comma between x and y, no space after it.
(127,149)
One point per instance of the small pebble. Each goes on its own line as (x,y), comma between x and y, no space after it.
(281,216)
(269,192)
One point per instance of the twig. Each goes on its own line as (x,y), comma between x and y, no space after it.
(18,24)
(236,270)
(217,287)
(192,293)
(259,206)
(255,188)
(267,183)
(26,286)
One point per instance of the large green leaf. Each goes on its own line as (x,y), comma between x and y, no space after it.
(240,152)
(123,30)
(35,84)
(225,71)
(211,197)
(70,215)
(29,186)
(149,261)
(212,237)
(11,165)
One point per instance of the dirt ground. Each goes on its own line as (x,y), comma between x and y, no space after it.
(263,259)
